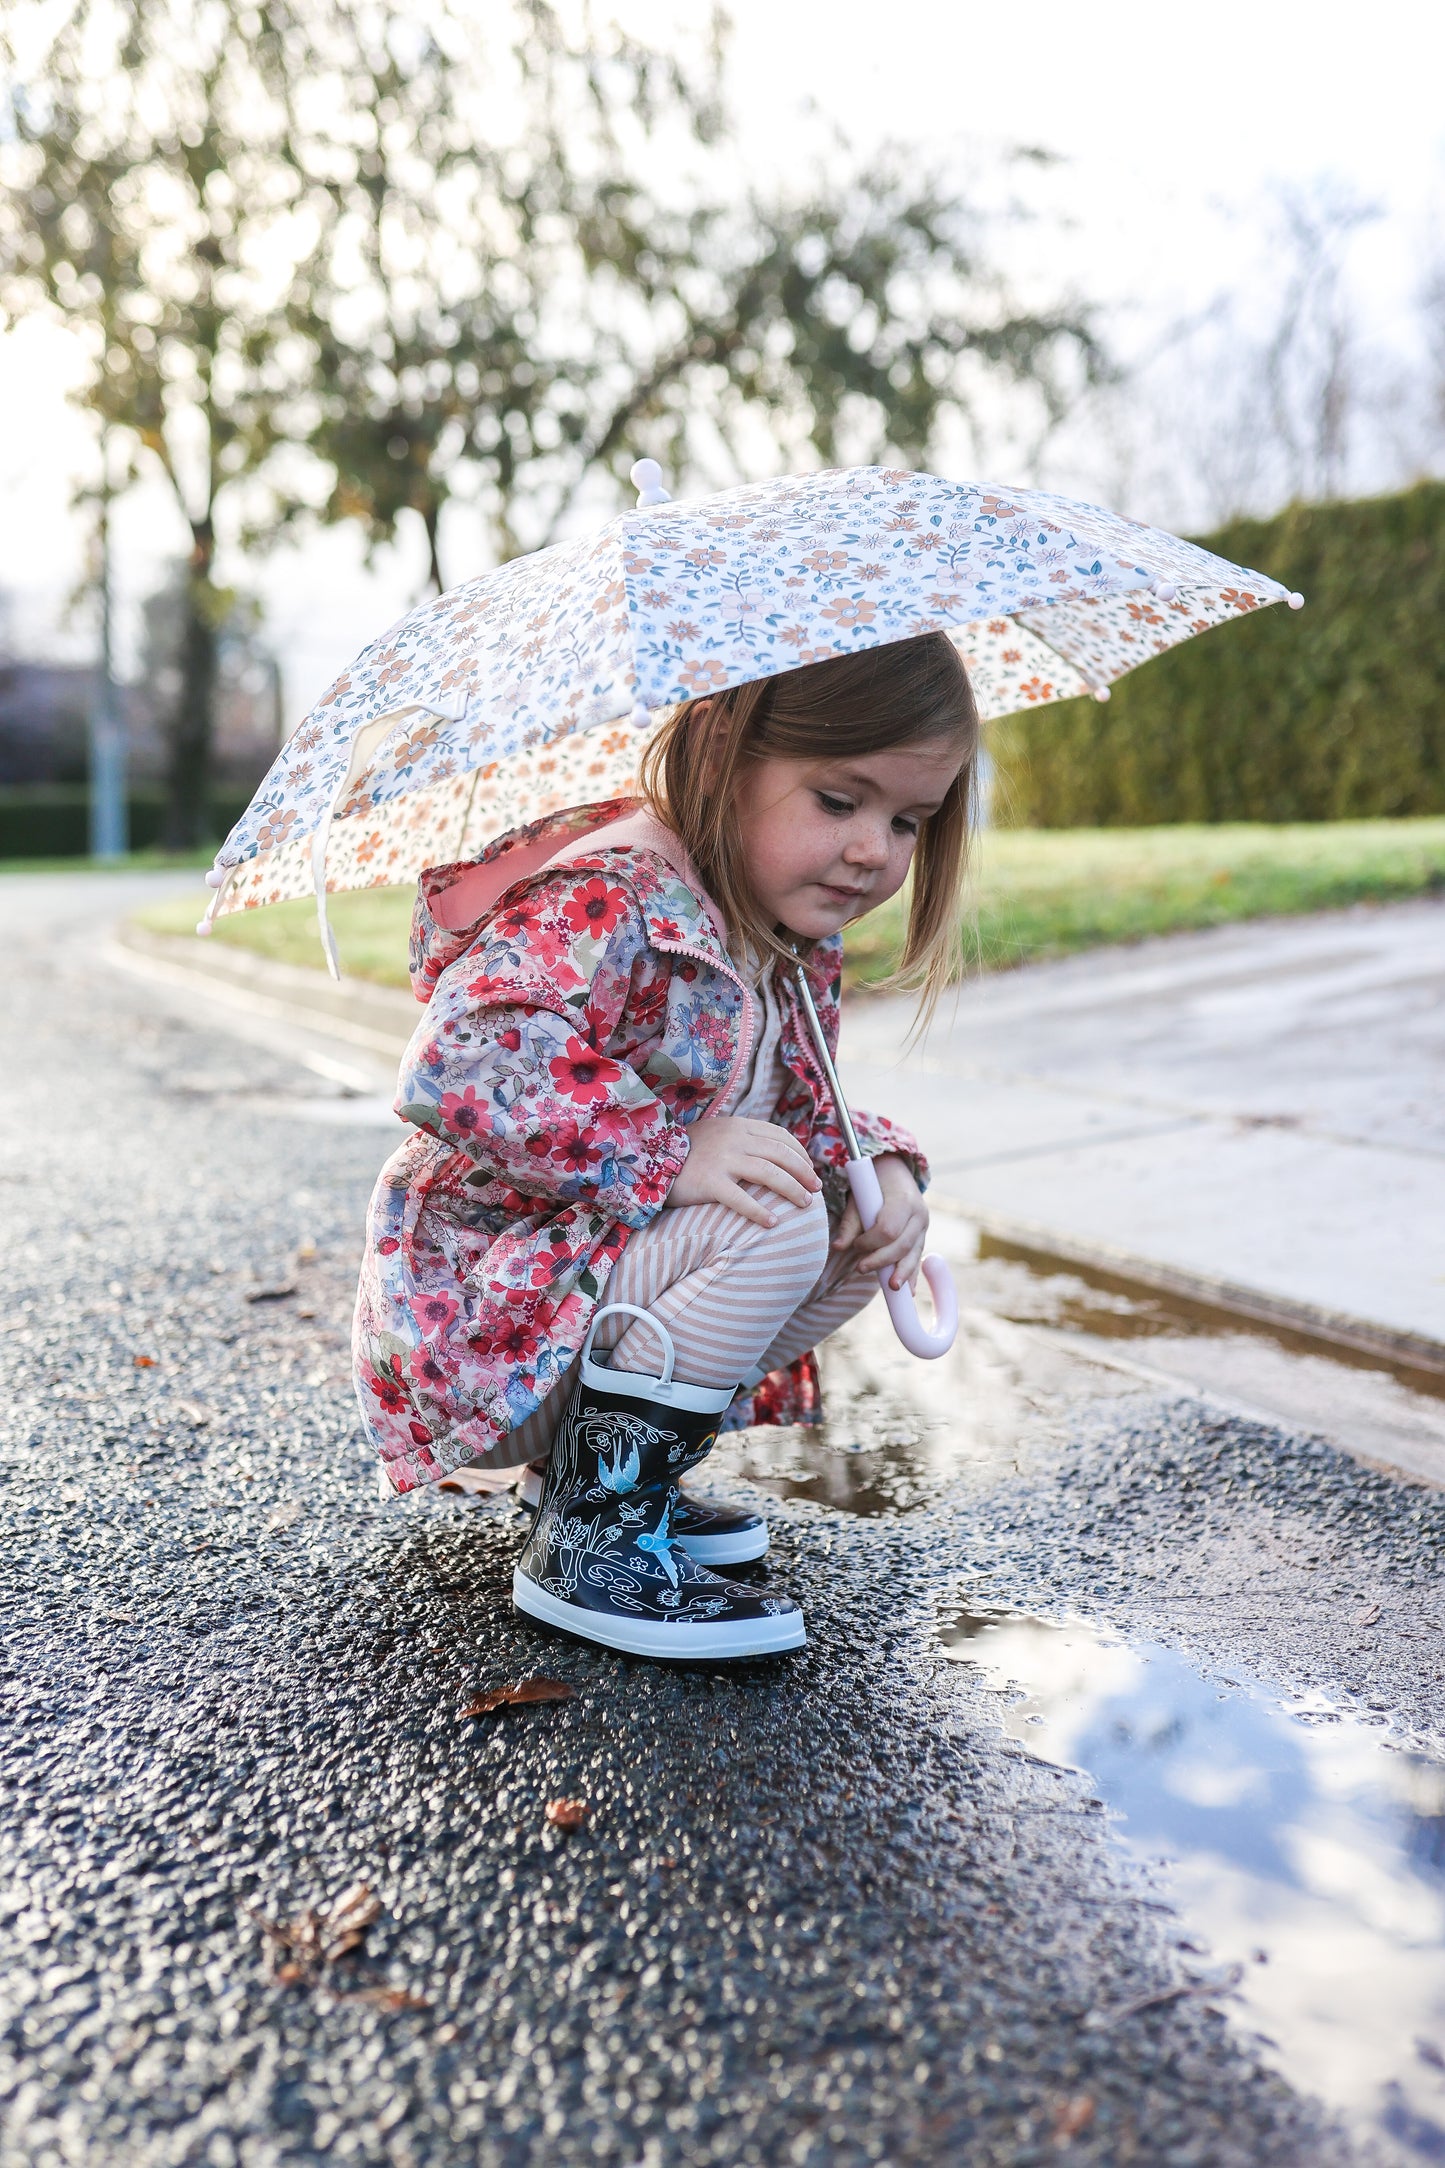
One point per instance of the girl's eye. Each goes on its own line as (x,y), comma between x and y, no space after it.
(840,808)
(904,826)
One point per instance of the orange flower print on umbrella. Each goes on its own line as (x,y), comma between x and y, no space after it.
(529,690)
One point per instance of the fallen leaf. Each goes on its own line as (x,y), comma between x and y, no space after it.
(567,1813)
(119,1618)
(386,1998)
(278,1293)
(284,1516)
(1368,1618)
(520,1696)
(143,1362)
(1071,2116)
(313,1939)
(191,1411)
(306,1252)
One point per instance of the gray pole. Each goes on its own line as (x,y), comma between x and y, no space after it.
(109,825)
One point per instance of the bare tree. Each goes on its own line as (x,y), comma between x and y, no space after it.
(148,180)
(512,325)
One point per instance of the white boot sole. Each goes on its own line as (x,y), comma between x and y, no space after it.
(771,1635)
(739,1550)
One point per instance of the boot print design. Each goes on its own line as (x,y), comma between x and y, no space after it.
(603,1559)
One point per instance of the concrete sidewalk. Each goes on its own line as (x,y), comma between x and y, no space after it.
(1252,1115)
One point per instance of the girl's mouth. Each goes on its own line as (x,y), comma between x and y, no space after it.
(842,895)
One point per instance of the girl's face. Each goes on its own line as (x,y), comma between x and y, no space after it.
(827,840)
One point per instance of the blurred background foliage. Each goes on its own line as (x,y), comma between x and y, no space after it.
(1034,894)
(354,262)
(1335,712)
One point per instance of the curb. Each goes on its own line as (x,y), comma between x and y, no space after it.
(1334,1331)
(379,1018)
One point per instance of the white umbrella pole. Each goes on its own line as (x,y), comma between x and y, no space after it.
(868,1196)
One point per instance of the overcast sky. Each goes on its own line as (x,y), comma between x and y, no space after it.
(1175,124)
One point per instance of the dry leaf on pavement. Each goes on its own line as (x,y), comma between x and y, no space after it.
(278,1292)
(313,1939)
(1071,2116)
(1368,1617)
(283,1516)
(386,1998)
(567,1813)
(143,1362)
(520,1696)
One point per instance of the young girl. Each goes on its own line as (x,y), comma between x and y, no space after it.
(621,1140)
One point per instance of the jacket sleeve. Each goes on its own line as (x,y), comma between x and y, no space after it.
(877,1134)
(510,1065)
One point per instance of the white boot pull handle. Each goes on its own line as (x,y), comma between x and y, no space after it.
(630,1309)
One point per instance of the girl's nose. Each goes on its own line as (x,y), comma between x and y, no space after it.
(867,846)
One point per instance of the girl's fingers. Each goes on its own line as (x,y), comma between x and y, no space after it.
(905,1272)
(777,1179)
(747,1207)
(850,1226)
(889,1256)
(784,1151)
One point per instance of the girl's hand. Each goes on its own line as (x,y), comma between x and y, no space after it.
(898,1234)
(726,1150)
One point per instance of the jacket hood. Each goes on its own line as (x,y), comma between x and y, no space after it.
(454,901)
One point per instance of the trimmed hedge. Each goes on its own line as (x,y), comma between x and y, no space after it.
(52,820)
(1333,712)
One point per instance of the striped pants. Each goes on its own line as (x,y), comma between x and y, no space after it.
(739,1300)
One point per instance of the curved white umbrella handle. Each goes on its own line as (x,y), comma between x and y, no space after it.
(909,1326)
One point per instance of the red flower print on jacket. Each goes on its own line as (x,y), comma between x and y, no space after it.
(464,1113)
(595,908)
(434,1313)
(427,1367)
(583,1074)
(575,1149)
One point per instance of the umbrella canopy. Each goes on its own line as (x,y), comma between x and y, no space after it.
(533,687)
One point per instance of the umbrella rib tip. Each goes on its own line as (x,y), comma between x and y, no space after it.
(646,479)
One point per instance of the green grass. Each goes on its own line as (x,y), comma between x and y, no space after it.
(1040,892)
(132,862)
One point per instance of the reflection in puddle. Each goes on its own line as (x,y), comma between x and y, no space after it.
(1308,1849)
(899,1430)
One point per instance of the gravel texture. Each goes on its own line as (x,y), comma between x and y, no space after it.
(819,1911)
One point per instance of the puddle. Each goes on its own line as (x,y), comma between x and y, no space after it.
(900,1431)
(1294,1838)
(1084,1299)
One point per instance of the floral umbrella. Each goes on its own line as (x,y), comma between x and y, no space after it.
(533,687)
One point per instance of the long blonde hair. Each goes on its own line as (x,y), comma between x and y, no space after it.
(850,705)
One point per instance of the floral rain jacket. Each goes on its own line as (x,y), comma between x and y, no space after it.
(571,1035)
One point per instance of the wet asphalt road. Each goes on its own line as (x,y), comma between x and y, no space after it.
(821,1910)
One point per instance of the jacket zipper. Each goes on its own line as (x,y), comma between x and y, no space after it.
(745,1039)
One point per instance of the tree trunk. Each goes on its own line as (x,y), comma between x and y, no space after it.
(188,780)
(431,519)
